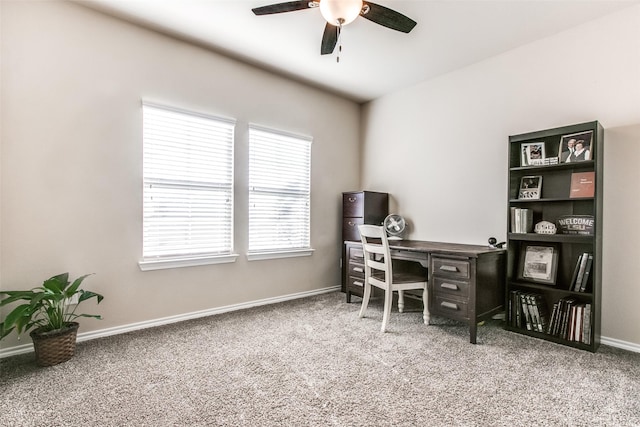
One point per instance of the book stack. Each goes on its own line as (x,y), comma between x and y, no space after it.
(571,320)
(521,220)
(528,310)
(581,273)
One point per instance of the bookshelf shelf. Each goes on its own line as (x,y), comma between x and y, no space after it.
(551,338)
(533,287)
(533,237)
(549,294)
(589,164)
(549,200)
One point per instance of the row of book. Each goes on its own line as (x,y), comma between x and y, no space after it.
(521,220)
(581,273)
(527,310)
(569,319)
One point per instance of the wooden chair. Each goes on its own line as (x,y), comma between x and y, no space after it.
(379,273)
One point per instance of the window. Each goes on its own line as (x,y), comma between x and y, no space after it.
(279,194)
(188,188)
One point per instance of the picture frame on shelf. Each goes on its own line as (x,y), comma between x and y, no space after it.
(538,263)
(530,187)
(532,154)
(575,147)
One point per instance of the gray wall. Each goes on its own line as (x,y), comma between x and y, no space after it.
(71,197)
(448,168)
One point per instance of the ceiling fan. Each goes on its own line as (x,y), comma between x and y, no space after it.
(338,13)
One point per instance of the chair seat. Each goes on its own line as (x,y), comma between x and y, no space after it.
(401,277)
(405,277)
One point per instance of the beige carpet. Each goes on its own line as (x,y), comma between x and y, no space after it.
(312,362)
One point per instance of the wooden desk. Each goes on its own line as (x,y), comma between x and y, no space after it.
(465,282)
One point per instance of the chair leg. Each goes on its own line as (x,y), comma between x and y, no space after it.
(365,299)
(388,299)
(425,310)
(400,301)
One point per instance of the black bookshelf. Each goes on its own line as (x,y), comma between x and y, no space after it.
(541,268)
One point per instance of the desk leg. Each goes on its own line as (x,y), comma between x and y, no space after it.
(425,304)
(473,330)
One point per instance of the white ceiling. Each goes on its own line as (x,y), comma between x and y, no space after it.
(375,60)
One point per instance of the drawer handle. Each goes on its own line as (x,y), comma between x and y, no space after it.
(352,199)
(449,286)
(358,270)
(449,305)
(357,283)
(451,268)
(351,223)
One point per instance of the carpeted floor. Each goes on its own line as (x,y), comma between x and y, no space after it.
(312,362)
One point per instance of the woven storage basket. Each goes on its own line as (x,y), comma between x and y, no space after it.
(56,346)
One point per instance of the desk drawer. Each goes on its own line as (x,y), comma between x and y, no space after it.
(450,307)
(356,282)
(420,257)
(356,254)
(446,267)
(446,286)
(356,270)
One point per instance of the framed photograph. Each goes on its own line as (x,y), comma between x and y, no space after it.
(575,147)
(538,263)
(530,187)
(532,154)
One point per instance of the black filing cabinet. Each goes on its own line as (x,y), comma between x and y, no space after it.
(359,207)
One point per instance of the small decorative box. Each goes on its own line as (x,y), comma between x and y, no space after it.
(545,227)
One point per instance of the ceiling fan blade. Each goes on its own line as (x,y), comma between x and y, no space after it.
(387,17)
(329,39)
(289,6)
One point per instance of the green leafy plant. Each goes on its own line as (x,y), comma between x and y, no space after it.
(48,307)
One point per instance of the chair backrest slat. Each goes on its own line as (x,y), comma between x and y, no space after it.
(381,266)
(376,249)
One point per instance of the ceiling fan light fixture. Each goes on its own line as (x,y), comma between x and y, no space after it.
(340,12)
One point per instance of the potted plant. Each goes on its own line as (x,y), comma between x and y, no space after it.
(51,310)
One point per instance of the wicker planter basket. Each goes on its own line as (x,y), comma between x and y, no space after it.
(55,347)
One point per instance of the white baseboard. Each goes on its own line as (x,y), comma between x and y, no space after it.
(625,345)
(86,336)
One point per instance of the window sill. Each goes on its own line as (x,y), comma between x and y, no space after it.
(160,264)
(258,256)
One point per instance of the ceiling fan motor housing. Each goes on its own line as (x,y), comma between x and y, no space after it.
(340,12)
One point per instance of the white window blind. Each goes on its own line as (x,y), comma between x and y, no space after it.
(188,184)
(279,191)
